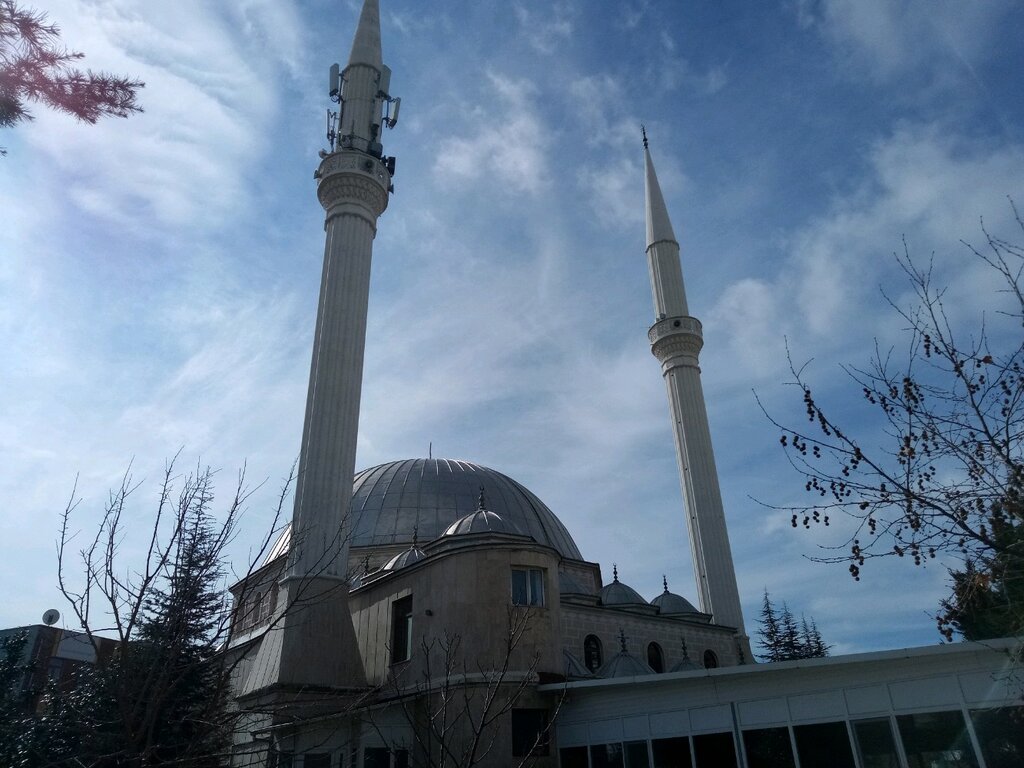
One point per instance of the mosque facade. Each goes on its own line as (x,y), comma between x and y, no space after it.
(437,612)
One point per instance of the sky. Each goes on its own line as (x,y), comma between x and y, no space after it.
(159,275)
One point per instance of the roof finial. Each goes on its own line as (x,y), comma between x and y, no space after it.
(415,535)
(615,572)
(686,654)
(622,638)
(643,130)
(664,580)
(481,503)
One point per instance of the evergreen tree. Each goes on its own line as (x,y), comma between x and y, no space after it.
(784,639)
(768,630)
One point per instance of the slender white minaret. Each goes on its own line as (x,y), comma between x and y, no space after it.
(676,341)
(315,643)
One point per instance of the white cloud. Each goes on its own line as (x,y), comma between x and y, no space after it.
(887,39)
(548,29)
(507,145)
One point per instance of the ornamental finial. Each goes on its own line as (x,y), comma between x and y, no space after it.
(615,572)
(643,131)
(686,654)
(664,581)
(481,502)
(622,638)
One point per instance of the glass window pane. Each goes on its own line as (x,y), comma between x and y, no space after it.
(936,740)
(823,745)
(573,757)
(671,753)
(714,750)
(606,756)
(519,587)
(376,757)
(316,760)
(1000,734)
(536,587)
(768,748)
(875,744)
(636,754)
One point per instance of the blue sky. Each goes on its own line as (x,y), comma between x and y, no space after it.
(159,274)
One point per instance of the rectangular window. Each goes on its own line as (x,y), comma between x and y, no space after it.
(769,748)
(316,760)
(823,745)
(573,757)
(376,757)
(671,753)
(527,586)
(280,759)
(875,744)
(1000,734)
(936,740)
(401,630)
(636,754)
(606,756)
(530,732)
(714,750)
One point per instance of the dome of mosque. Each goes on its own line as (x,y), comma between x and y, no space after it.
(412,555)
(392,502)
(624,664)
(618,593)
(482,521)
(670,603)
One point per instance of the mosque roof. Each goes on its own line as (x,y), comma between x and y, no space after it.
(482,521)
(670,603)
(624,664)
(390,502)
(618,593)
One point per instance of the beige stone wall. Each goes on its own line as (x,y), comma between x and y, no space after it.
(463,592)
(580,621)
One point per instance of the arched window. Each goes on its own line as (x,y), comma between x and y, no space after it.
(655,658)
(710,659)
(592,652)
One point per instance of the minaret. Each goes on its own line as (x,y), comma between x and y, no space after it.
(676,341)
(315,644)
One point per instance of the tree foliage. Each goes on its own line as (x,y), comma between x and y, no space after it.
(947,476)
(162,699)
(35,67)
(784,639)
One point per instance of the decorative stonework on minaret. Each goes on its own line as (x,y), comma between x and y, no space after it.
(676,340)
(315,645)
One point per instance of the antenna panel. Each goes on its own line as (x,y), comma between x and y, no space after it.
(335,81)
(393,117)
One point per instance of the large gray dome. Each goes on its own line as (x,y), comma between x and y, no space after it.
(392,501)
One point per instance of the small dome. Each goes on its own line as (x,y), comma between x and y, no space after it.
(670,603)
(618,593)
(624,664)
(482,521)
(574,668)
(685,664)
(412,555)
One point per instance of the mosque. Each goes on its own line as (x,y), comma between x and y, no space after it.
(437,612)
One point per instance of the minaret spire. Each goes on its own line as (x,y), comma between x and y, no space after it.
(315,644)
(676,340)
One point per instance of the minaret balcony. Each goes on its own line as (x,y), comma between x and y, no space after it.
(676,341)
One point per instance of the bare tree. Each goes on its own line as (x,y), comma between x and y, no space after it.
(946,477)
(458,709)
(163,697)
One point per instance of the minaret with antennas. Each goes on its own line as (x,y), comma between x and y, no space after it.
(315,644)
(676,340)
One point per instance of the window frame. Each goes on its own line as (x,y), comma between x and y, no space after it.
(401,630)
(535,587)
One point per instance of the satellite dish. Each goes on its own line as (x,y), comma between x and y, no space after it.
(50,617)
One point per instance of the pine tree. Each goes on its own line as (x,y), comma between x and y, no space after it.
(769,630)
(783,639)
